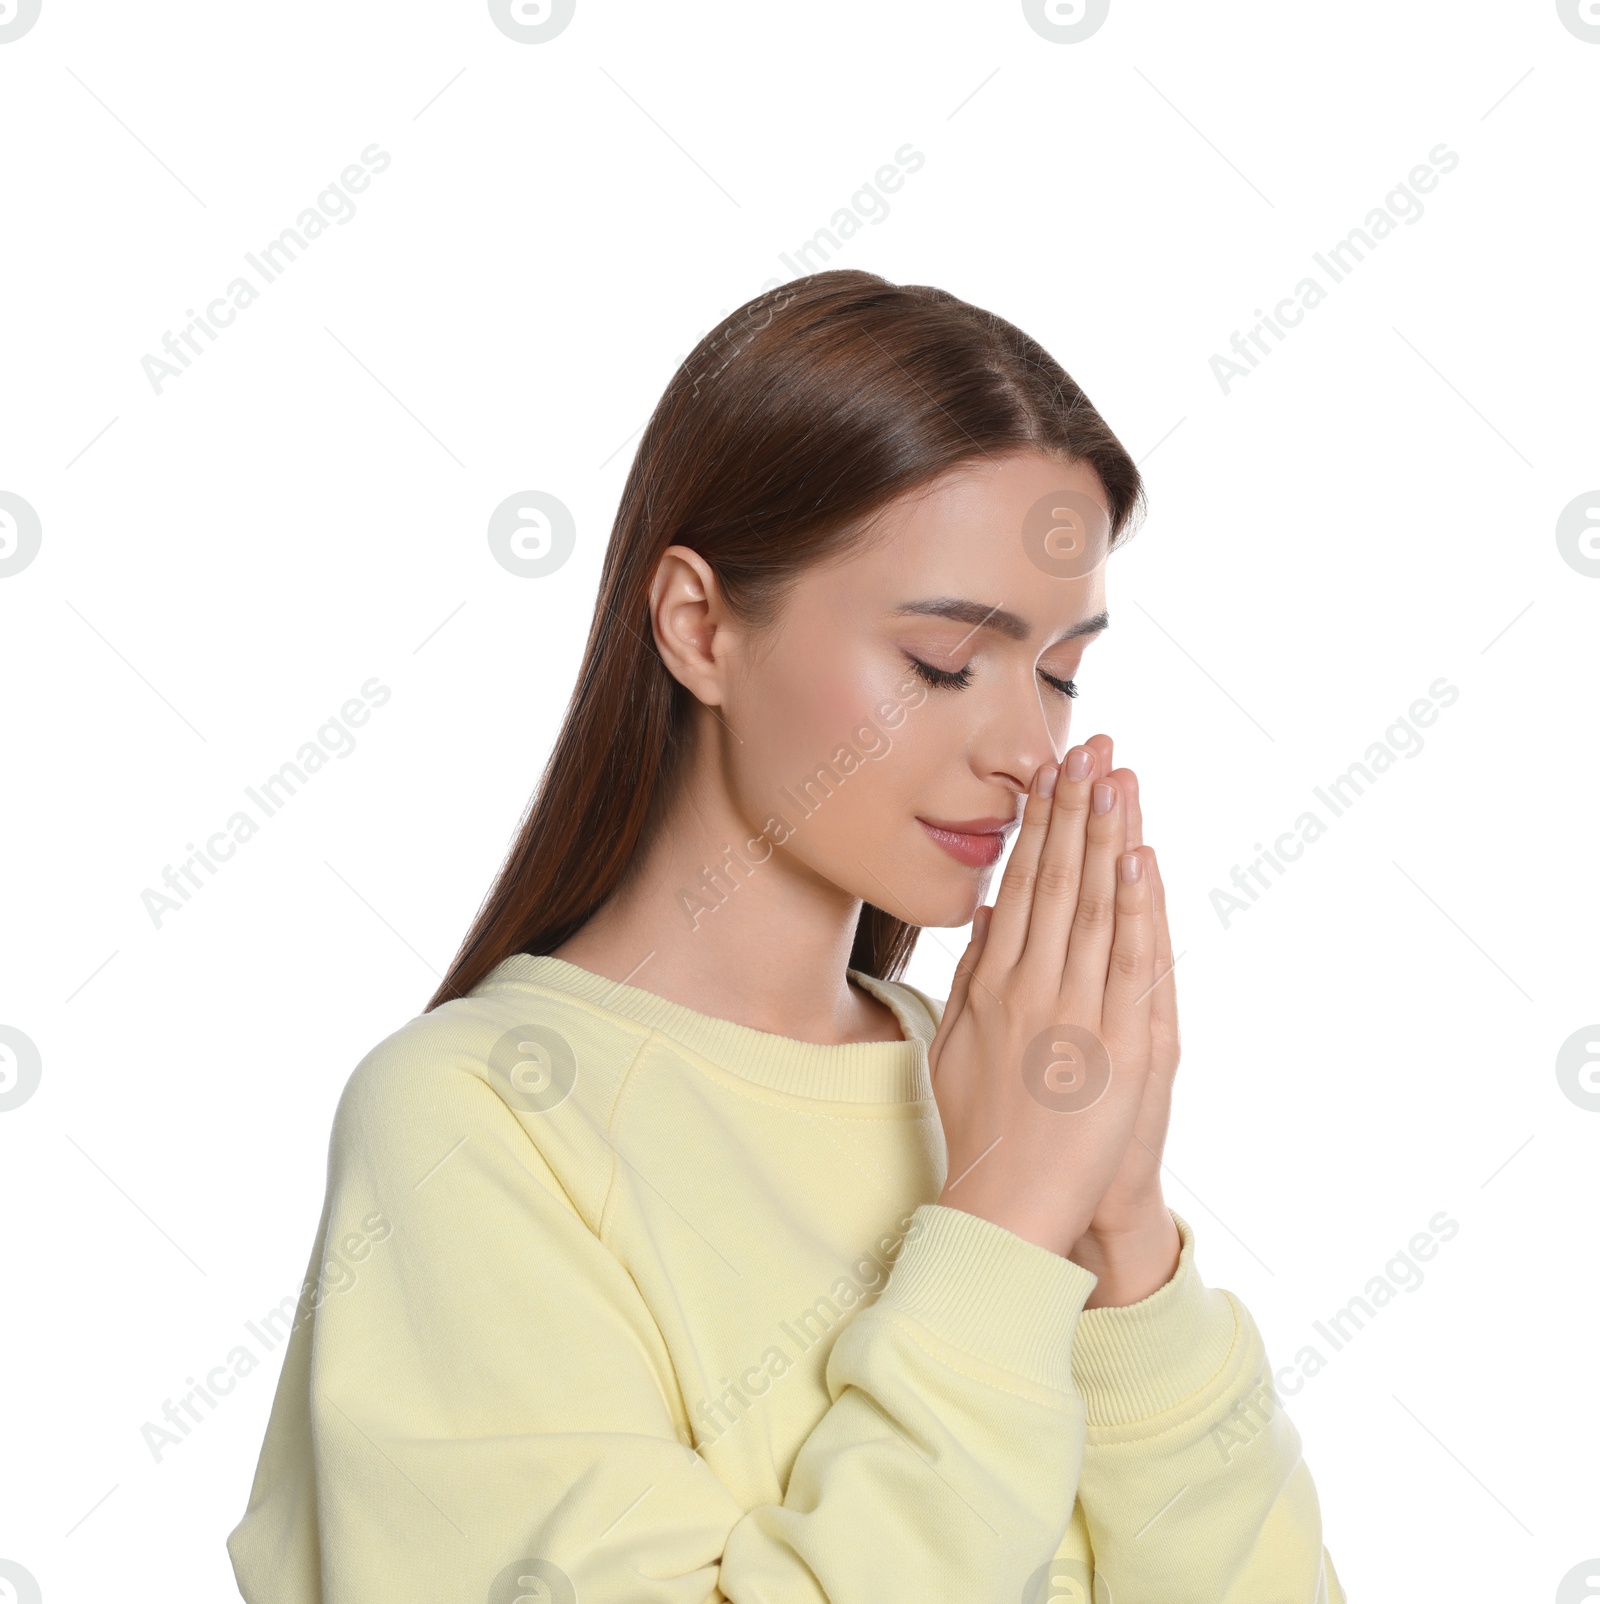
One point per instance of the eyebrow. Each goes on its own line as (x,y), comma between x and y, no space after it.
(997,618)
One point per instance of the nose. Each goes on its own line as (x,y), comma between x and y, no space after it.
(1017,737)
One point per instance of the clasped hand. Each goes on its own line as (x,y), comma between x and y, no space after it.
(1054,1062)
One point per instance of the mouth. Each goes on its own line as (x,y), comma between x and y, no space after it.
(977,843)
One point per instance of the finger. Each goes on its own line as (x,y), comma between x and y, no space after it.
(1094,920)
(1129,781)
(1158,898)
(1060,870)
(1126,1017)
(1104,763)
(962,980)
(1164,997)
(1008,925)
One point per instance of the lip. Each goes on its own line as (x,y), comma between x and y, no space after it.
(977,843)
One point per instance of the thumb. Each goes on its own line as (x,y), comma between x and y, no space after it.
(962,980)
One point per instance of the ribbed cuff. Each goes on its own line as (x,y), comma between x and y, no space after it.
(1149,1356)
(989,1292)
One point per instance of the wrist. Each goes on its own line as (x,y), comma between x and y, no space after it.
(1051,1234)
(1137,1257)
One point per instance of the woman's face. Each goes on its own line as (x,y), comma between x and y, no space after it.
(917,683)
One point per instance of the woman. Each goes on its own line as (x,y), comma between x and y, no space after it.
(680,1252)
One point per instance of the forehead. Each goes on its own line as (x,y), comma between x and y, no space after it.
(1000,530)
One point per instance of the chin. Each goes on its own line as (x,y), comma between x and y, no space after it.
(953,900)
(921,884)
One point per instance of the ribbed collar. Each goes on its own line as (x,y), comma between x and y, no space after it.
(850,1072)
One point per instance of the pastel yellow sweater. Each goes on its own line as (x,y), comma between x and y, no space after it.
(613,1302)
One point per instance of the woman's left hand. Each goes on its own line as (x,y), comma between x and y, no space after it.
(1132,1243)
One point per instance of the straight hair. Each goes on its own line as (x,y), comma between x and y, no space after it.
(789,426)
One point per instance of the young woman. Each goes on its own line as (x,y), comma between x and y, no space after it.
(678,1251)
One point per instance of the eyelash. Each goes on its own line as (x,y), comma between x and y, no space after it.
(960,678)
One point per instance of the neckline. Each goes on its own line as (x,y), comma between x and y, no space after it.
(849,1072)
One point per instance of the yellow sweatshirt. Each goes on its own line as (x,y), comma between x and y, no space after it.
(613,1302)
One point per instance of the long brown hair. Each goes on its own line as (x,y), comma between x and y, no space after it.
(789,425)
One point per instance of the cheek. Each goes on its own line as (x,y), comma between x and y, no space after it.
(829,734)
(814,709)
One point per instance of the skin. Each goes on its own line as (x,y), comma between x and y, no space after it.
(771,948)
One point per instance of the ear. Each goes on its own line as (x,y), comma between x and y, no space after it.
(694,631)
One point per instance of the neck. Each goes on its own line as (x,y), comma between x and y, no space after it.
(717,916)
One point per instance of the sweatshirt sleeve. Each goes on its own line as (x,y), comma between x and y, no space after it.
(480,1408)
(1193,1487)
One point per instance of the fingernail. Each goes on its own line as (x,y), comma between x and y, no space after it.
(1044,782)
(1101,798)
(1079,761)
(1131,865)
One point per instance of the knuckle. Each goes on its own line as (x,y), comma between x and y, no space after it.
(1056,879)
(1035,822)
(1095,911)
(1103,826)
(1071,800)
(1020,877)
(1128,960)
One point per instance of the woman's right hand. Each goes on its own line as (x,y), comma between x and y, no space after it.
(1040,1060)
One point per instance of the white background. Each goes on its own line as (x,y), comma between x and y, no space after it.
(225,563)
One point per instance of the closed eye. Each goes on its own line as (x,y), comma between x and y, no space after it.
(959,679)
